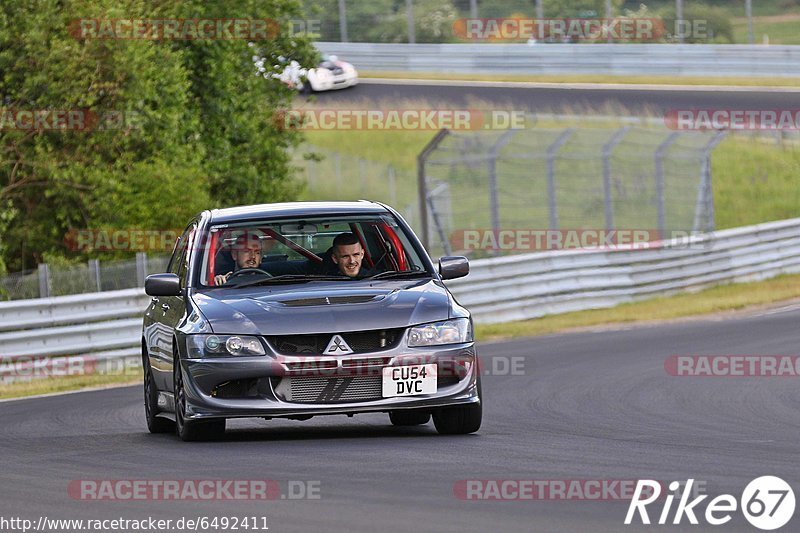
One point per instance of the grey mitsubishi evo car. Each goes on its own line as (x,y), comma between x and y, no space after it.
(304,309)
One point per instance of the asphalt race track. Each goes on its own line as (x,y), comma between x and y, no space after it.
(591,405)
(565,98)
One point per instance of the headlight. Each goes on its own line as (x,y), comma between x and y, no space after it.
(198,346)
(447,332)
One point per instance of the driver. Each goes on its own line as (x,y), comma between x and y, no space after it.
(246,253)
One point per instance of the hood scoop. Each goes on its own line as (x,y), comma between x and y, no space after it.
(332,300)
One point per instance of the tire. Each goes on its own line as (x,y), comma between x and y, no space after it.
(155,424)
(460,419)
(191,430)
(409,418)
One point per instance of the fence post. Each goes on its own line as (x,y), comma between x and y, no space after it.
(494,202)
(607,149)
(444,186)
(94,273)
(410,16)
(705,195)
(422,188)
(552,151)
(44,280)
(662,217)
(141,268)
(342,21)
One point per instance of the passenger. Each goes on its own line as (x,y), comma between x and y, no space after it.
(348,255)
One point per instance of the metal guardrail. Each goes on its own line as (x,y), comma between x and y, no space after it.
(107,326)
(615,59)
(100,331)
(533,285)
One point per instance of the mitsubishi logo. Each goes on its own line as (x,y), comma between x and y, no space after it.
(337,346)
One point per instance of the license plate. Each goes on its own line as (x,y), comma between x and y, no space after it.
(409,380)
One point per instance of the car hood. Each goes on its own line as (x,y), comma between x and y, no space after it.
(323,307)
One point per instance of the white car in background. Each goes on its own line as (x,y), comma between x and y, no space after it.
(332,73)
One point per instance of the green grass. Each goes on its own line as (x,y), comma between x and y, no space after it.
(782,29)
(754,182)
(61,384)
(396,148)
(714,300)
(776,81)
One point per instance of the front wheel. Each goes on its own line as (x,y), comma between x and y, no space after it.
(155,423)
(191,430)
(460,419)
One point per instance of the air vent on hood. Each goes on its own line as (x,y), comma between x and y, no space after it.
(332,300)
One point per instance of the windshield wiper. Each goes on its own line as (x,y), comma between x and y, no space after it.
(289,278)
(400,274)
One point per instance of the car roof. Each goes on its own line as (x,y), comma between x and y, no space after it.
(294,209)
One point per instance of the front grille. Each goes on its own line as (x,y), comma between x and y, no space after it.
(331,389)
(366,362)
(359,341)
(310,366)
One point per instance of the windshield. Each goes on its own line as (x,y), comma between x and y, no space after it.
(297,250)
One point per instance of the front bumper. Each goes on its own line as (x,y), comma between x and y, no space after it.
(260,388)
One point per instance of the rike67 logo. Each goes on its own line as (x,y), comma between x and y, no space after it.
(767,503)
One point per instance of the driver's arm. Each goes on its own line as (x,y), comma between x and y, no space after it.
(222,279)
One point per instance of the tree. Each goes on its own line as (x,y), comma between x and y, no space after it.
(197,130)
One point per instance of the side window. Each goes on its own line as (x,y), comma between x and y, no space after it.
(175,262)
(180,257)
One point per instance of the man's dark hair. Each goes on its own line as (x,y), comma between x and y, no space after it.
(345,239)
(245,239)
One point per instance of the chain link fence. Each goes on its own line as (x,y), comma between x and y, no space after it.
(628,177)
(94,276)
(442,21)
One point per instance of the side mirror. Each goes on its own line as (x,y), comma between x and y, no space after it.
(162,285)
(452,267)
